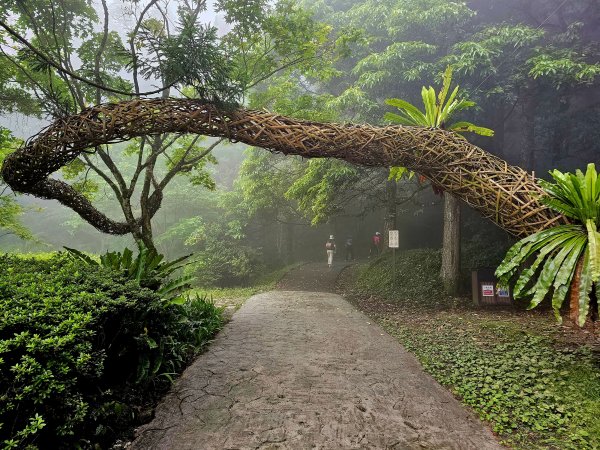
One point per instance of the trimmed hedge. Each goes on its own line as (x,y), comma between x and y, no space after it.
(81,348)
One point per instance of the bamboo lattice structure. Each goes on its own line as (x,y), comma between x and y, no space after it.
(506,194)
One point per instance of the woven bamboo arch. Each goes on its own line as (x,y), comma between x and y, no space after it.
(507,195)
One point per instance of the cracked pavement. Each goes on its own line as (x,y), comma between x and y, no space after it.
(306,370)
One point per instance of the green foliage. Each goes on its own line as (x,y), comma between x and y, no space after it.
(438,109)
(536,393)
(483,54)
(191,160)
(10,210)
(401,43)
(286,42)
(319,185)
(193,57)
(533,395)
(223,264)
(80,347)
(221,257)
(147,268)
(561,248)
(414,283)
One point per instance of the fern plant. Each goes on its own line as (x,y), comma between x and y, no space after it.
(147,268)
(567,257)
(439,109)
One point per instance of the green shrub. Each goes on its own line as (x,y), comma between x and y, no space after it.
(225,265)
(147,268)
(417,281)
(80,346)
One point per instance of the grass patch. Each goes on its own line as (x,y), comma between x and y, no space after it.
(235,297)
(533,381)
(416,283)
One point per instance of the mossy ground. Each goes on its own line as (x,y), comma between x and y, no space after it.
(535,382)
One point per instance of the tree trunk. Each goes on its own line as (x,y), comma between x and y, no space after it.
(289,243)
(148,239)
(450,273)
(390,212)
(528,137)
(498,120)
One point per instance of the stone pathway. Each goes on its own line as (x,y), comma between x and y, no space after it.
(306,370)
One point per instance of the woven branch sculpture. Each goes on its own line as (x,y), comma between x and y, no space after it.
(506,194)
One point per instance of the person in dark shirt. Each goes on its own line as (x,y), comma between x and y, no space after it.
(349,247)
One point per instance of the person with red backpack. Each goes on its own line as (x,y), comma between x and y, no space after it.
(330,248)
(376,244)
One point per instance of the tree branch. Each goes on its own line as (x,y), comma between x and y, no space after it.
(72,74)
(100,51)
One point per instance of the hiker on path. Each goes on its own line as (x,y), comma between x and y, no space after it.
(330,247)
(376,244)
(349,249)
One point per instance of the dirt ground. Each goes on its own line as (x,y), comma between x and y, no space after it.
(302,368)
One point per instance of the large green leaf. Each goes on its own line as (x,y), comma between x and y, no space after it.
(550,271)
(168,268)
(520,251)
(468,127)
(585,288)
(558,298)
(593,249)
(561,207)
(565,273)
(400,119)
(126,258)
(428,95)
(82,256)
(440,117)
(597,291)
(176,285)
(591,177)
(445,89)
(458,105)
(446,110)
(575,195)
(410,109)
(140,266)
(546,246)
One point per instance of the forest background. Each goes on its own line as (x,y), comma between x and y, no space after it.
(531,67)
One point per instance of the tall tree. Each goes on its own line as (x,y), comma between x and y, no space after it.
(513,59)
(439,110)
(10,210)
(68,66)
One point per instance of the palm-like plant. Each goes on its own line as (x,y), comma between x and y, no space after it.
(568,256)
(439,109)
(147,268)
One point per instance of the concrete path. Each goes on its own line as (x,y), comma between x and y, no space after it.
(303,370)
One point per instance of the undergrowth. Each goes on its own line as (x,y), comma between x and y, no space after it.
(535,390)
(416,281)
(235,296)
(83,350)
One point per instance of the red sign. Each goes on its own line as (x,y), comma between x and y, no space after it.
(487,290)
